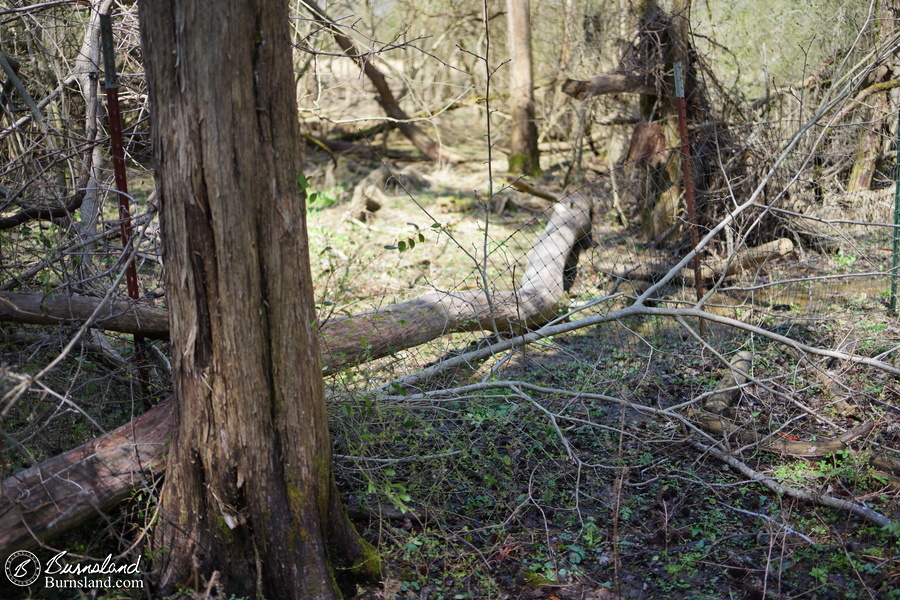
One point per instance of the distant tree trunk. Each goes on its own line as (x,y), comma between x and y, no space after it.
(524,157)
(869,148)
(654,171)
(249,489)
(420,140)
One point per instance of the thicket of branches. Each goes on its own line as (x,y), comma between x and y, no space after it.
(791,163)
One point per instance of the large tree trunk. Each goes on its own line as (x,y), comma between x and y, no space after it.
(524,157)
(249,490)
(28,511)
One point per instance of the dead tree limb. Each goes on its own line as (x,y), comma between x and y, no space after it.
(49,309)
(743,260)
(608,83)
(419,138)
(65,491)
(46,209)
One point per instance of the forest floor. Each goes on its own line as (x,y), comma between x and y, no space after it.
(543,494)
(539,488)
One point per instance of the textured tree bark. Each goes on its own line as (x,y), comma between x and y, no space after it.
(249,490)
(869,148)
(524,157)
(29,510)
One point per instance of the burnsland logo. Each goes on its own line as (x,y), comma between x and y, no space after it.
(23,569)
(107,567)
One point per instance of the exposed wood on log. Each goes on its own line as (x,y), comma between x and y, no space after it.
(609,83)
(61,493)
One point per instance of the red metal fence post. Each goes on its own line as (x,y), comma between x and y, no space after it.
(117,150)
(688,174)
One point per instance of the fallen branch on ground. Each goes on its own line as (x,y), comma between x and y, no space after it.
(610,83)
(56,495)
(743,260)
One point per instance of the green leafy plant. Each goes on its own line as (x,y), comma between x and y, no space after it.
(410,242)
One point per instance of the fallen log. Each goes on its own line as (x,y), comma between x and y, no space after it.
(63,492)
(56,308)
(609,83)
(739,262)
(69,489)
(369,335)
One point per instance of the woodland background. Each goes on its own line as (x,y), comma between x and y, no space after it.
(632,442)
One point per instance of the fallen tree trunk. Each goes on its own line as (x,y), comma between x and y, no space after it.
(365,336)
(116,315)
(608,83)
(71,488)
(65,491)
(741,261)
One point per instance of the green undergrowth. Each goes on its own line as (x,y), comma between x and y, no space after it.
(493,503)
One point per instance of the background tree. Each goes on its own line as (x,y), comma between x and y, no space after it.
(249,490)
(870,147)
(524,157)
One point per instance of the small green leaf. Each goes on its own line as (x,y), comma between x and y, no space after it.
(412,243)
(421,238)
(390,247)
(435,225)
(401,245)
